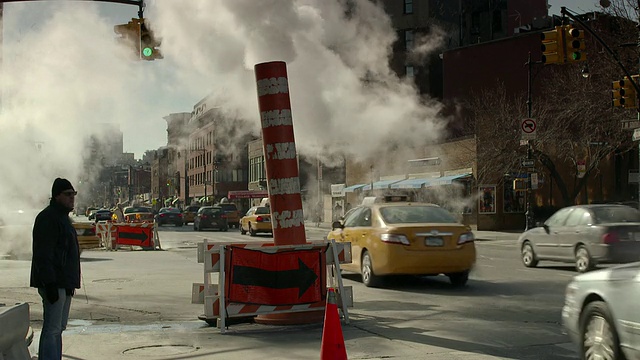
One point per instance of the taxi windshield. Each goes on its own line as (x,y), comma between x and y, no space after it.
(416,214)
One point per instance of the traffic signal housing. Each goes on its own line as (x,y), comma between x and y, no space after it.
(149,45)
(129,35)
(624,94)
(552,46)
(574,44)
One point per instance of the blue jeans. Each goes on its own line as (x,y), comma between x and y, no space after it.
(54,322)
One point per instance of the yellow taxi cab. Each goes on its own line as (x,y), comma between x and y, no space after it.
(190,213)
(256,220)
(405,238)
(138,214)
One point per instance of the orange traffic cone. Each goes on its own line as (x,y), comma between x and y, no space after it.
(332,340)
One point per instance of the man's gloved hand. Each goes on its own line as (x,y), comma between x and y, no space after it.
(71,292)
(51,291)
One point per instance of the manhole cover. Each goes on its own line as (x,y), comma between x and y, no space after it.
(161,350)
(115,280)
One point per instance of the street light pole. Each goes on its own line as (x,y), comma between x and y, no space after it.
(529,216)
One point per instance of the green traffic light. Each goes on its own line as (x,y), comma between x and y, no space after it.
(576,56)
(147,51)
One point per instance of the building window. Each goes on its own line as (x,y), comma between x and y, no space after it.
(408,6)
(408,40)
(497,21)
(410,71)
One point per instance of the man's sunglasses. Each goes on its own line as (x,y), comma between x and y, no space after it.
(69,193)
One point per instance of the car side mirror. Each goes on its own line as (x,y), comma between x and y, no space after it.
(546,228)
(337,225)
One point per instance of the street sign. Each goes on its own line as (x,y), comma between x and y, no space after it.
(534,181)
(636,135)
(138,236)
(528,162)
(282,278)
(528,129)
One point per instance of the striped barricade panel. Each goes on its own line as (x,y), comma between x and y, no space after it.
(242,310)
(199,291)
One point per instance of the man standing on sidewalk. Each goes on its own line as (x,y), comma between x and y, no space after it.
(55,266)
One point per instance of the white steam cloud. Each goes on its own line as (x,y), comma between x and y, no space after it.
(63,73)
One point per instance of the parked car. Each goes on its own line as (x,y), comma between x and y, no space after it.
(210,217)
(102,215)
(138,214)
(90,210)
(256,220)
(601,313)
(586,235)
(405,238)
(233,215)
(190,213)
(169,215)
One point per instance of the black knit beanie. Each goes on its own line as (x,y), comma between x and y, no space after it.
(60,185)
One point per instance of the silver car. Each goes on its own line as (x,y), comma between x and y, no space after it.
(585,234)
(601,313)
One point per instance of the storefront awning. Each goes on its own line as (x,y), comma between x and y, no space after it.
(382,184)
(411,183)
(446,180)
(353,188)
(247,194)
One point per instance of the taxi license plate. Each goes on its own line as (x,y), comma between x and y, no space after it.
(434,241)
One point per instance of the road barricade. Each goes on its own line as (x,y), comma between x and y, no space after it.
(14,327)
(261,278)
(114,235)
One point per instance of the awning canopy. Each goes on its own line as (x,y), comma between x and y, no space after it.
(410,183)
(382,184)
(446,180)
(353,188)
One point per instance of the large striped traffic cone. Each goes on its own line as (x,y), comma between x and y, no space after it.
(332,340)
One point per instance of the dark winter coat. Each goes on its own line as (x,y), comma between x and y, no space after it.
(56,254)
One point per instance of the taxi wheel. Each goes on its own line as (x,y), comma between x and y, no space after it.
(459,279)
(252,232)
(369,279)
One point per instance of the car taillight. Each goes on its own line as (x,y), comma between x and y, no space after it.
(466,237)
(223,216)
(179,215)
(203,216)
(161,215)
(610,238)
(259,219)
(395,239)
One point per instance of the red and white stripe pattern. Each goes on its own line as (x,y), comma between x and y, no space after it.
(280,153)
(211,256)
(108,232)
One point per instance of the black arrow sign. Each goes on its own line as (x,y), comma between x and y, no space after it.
(302,277)
(135,236)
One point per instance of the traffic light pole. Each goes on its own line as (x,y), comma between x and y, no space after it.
(529,215)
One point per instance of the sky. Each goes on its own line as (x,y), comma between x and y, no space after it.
(578,6)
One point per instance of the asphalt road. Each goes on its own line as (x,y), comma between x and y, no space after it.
(506,311)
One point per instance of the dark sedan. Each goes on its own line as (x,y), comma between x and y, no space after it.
(169,215)
(585,234)
(210,217)
(102,215)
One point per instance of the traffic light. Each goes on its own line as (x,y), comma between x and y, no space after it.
(574,44)
(149,45)
(129,35)
(624,94)
(552,46)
